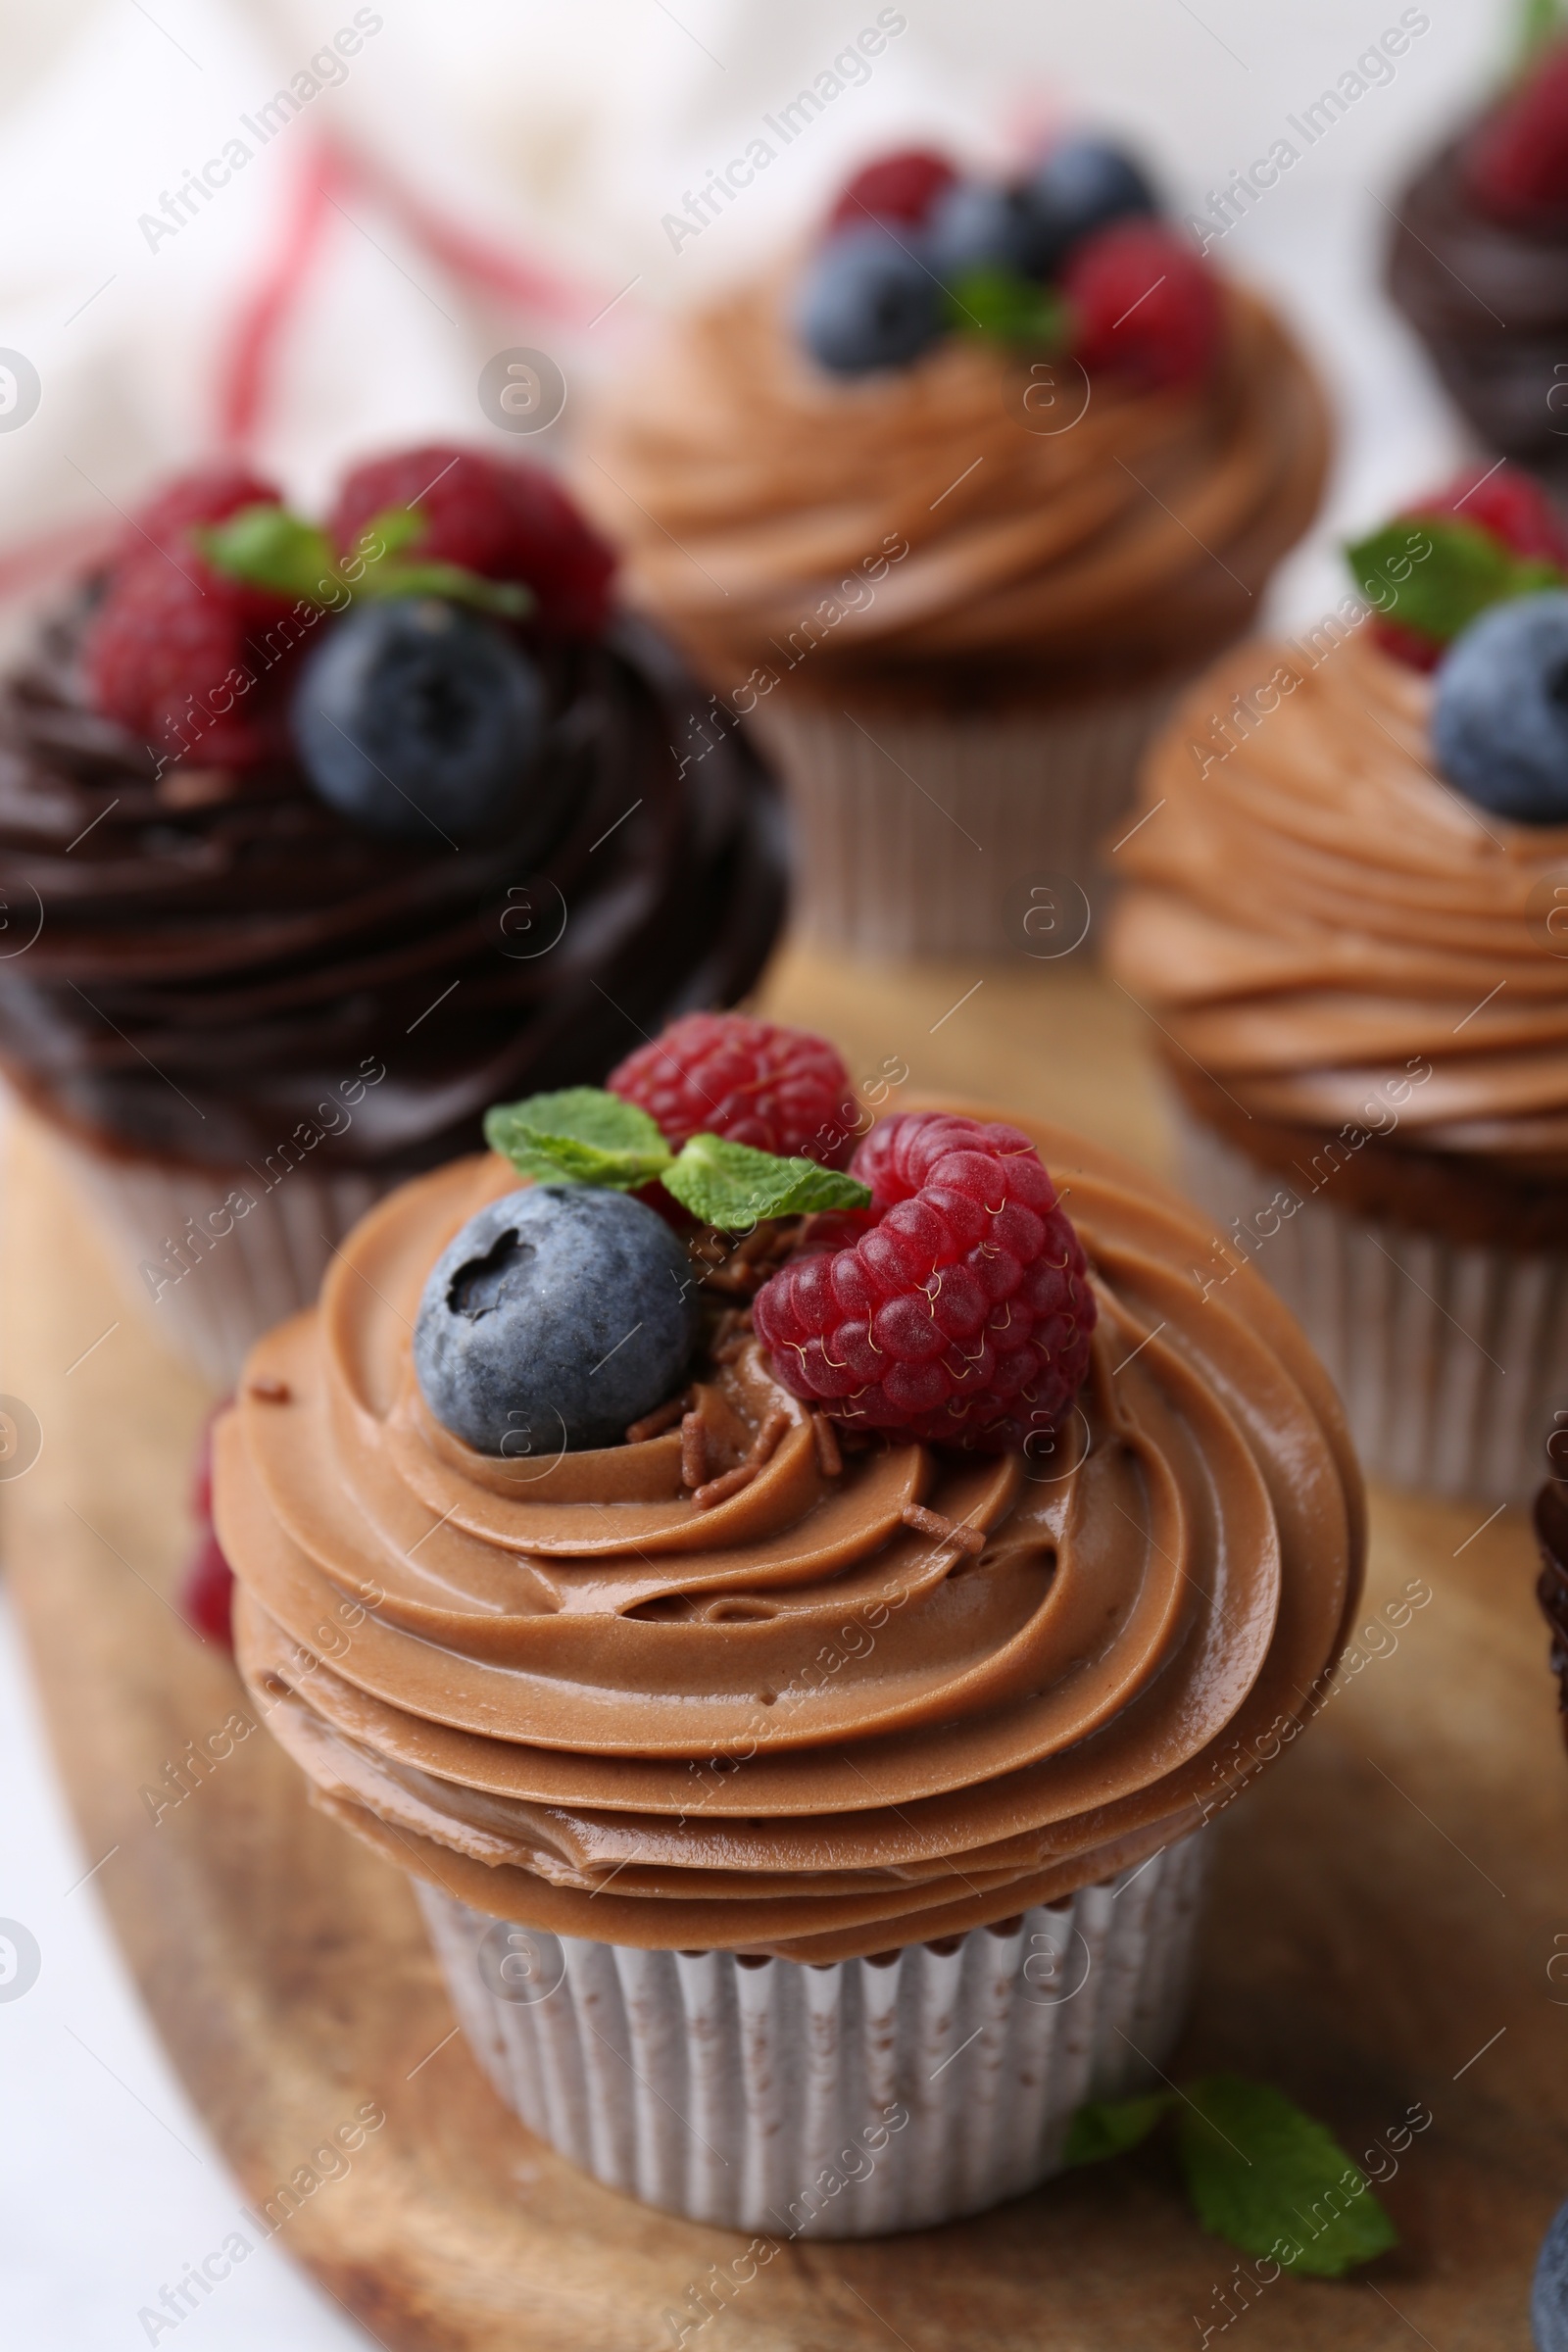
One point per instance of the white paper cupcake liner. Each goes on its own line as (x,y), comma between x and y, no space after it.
(210,1295)
(1450,1358)
(923,836)
(831,2101)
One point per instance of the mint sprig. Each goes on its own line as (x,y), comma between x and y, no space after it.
(583,1135)
(1260,2174)
(1003,303)
(1440,591)
(269,548)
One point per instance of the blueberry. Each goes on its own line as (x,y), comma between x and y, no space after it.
(1499,719)
(1548,2300)
(870,300)
(557,1317)
(423,721)
(979,224)
(1083,184)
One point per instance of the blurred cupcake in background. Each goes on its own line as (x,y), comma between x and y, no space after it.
(1347,912)
(947,506)
(1477,260)
(326,835)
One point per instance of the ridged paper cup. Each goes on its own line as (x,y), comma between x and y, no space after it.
(1452,1357)
(840,2100)
(922,835)
(211,1275)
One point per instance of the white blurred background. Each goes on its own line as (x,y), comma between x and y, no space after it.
(528,143)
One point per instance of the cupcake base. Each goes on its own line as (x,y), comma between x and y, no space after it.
(848,2100)
(211,1279)
(1452,1358)
(919,835)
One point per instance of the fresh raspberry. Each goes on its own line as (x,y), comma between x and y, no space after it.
(160,648)
(207,494)
(207,1589)
(718,1073)
(1143,304)
(899,188)
(505,522)
(963,1317)
(1506,503)
(1516,163)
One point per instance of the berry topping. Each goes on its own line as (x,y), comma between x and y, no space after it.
(717,1073)
(1082,184)
(868,300)
(1549,2294)
(1144,305)
(506,521)
(981,225)
(1516,164)
(963,1317)
(899,187)
(419,720)
(1509,503)
(555,1319)
(1499,717)
(190,661)
(207,1589)
(207,494)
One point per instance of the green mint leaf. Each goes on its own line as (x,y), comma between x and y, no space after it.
(1272,2182)
(509,598)
(733,1187)
(992,301)
(1539,23)
(1439,592)
(1111,2127)
(272,547)
(578,1136)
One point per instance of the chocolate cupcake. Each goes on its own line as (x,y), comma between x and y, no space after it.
(922,1664)
(323,850)
(947,507)
(1477,262)
(1368,1045)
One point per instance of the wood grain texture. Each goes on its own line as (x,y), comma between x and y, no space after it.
(1386,1900)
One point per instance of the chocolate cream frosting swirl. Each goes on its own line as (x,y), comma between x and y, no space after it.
(217,951)
(753,492)
(1316,913)
(791,1723)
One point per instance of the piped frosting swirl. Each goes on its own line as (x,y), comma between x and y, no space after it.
(794,1722)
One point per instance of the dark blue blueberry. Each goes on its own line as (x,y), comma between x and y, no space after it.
(1499,719)
(870,300)
(1548,2301)
(555,1318)
(1083,184)
(979,224)
(420,719)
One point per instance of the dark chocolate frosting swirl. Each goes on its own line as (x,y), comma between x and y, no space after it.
(217,951)
(1490,300)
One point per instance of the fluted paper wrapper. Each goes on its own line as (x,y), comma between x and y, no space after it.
(210,1299)
(924,836)
(839,2101)
(1450,1357)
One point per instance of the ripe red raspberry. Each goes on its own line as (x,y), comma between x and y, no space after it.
(1506,503)
(898,187)
(718,1073)
(207,1589)
(207,494)
(192,661)
(1143,304)
(963,1317)
(506,521)
(1516,163)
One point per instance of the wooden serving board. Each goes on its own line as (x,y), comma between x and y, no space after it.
(1389,1900)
